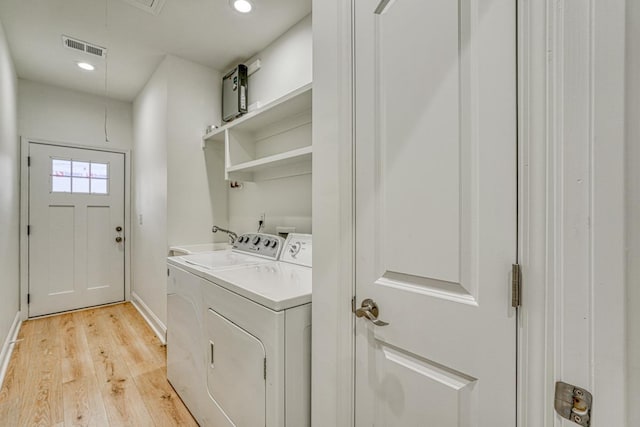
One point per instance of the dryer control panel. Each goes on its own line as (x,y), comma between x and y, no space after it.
(259,244)
(297,249)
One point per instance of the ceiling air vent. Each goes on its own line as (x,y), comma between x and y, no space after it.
(151,6)
(89,48)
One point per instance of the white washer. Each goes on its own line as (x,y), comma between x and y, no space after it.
(243,336)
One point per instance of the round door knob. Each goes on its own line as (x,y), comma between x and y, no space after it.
(118,239)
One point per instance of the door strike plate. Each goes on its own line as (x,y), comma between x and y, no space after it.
(573,403)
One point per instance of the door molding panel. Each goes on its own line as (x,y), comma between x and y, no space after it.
(450,266)
(24,214)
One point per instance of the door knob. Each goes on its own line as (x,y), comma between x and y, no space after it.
(118,239)
(369,310)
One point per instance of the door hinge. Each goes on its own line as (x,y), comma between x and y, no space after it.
(516,285)
(28,298)
(28,230)
(28,161)
(265,368)
(353,304)
(168,274)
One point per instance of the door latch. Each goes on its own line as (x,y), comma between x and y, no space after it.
(573,403)
(369,310)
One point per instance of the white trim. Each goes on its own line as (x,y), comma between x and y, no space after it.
(533,354)
(7,347)
(24,215)
(571,145)
(24,221)
(607,210)
(150,317)
(333,276)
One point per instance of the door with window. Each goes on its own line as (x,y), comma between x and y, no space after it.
(435,150)
(76,228)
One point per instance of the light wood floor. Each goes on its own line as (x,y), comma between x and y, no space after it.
(98,367)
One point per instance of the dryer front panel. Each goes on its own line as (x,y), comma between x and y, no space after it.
(236,373)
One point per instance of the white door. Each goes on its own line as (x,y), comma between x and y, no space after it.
(435,126)
(76,228)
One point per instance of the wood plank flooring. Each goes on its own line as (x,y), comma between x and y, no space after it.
(98,367)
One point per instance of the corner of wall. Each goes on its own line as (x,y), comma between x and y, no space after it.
(149,193)
(7,348)
(9,192)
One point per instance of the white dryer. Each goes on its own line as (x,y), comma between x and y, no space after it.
(247,362)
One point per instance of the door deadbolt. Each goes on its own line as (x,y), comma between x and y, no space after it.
(573,403)
(369,310)
(118,229)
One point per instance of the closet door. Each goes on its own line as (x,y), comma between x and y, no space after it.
(435,129)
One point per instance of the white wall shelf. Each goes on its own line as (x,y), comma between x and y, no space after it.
(271,142)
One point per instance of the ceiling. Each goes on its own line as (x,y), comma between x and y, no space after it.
(208,32)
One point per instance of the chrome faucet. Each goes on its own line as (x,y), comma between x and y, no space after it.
(232,236)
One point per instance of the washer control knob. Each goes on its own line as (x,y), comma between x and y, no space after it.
(274,243)
(267,242)
(256,240)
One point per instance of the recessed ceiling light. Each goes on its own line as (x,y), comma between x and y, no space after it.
(86,66)
(242,6)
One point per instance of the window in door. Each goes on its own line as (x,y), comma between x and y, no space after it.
(72,176)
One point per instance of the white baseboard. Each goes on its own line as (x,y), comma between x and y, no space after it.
(156,324)
(7,347)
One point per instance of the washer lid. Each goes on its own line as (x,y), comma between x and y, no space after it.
(219,260)
(275,285)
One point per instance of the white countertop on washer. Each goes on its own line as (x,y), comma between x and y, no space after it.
(275,285)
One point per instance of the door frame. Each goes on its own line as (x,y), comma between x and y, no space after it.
(540,98)
(565,202)
(24,215)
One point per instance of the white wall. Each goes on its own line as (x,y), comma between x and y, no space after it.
(179,189)
(55,114)
(149,206)
(9,191)
(284,201)
(196,190)
(286,66)
(633,210)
